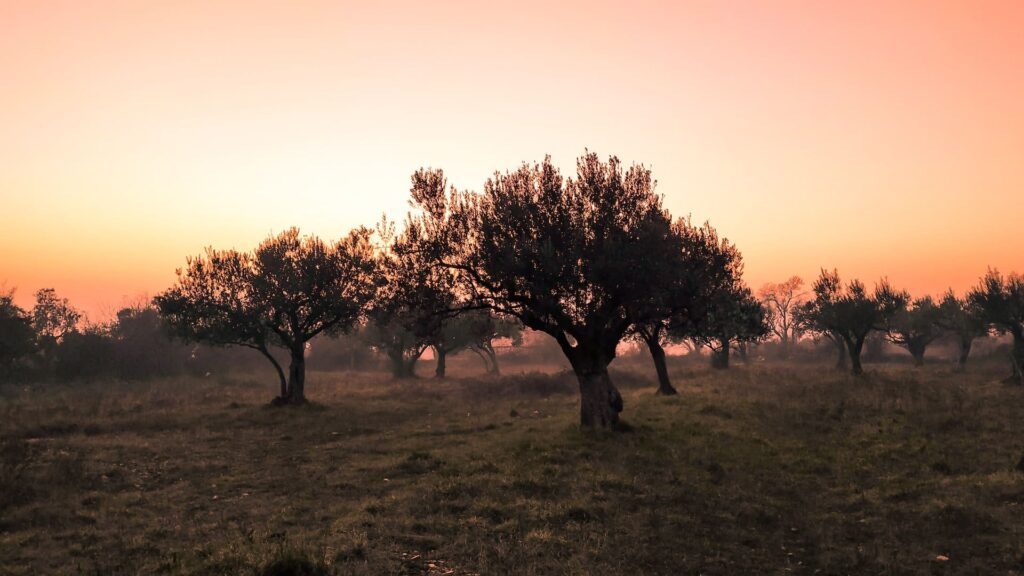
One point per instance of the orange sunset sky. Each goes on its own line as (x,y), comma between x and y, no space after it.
(883,138)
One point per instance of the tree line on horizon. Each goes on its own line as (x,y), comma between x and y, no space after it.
(592,260)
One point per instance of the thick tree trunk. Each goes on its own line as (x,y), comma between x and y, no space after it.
(658,356)
(1017,359)
(855,348)
(400,367)
(600,401)
(441,356)
(720,358)
(841,356)
(917,352)
(297,375)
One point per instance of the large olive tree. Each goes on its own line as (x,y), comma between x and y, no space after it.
(577,258)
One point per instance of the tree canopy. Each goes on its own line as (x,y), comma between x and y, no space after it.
(290,289)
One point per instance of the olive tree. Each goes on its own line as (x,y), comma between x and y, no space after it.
(696,276)
(911,324)
(576,258)
(1000,301)
(963,320)
(848,313)
(290,289)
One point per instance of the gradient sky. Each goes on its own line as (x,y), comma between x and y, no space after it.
(883,138)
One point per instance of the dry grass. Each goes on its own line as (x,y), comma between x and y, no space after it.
(759,470)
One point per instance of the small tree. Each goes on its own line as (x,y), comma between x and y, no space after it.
(725,314)
(484,328)
(962,319)
(912,325)
(734,320)
(289,290)
(1000,301)
(577,259)
(53,318)
(848,313)
(781,303)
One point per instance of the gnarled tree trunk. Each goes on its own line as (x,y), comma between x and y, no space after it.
(297,375)
(917,352)
(442,355)
(720,358)
(600,401)
(854,347)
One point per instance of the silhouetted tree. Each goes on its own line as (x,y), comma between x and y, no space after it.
(17,338)
(734,320)
(1000,300)
(87,354)
(577,259)
(476,330)
(729,315)
(142,344)
(52,319)
(848,313)
(696,276)
(912,325)
(781,302)
(415,298)
(289,290)
(484,328)
(804,317)
(962,319)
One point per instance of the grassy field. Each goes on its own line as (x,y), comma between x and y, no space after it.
(756,470)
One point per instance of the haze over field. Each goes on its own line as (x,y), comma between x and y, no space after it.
(881,138)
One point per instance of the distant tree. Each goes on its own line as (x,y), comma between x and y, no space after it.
(1000,301)
(577,259)
(17,337)
(85,355)
(912,325)
(288,291)
(142,344)
(727,314)
(416,299)
(696,276)
(484,328)
(475,330)
(804,317)
(781,303)
(53,318)
(962,319)
(848,313)
(734,320)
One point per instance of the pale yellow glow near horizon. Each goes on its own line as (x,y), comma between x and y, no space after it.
(884,139)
